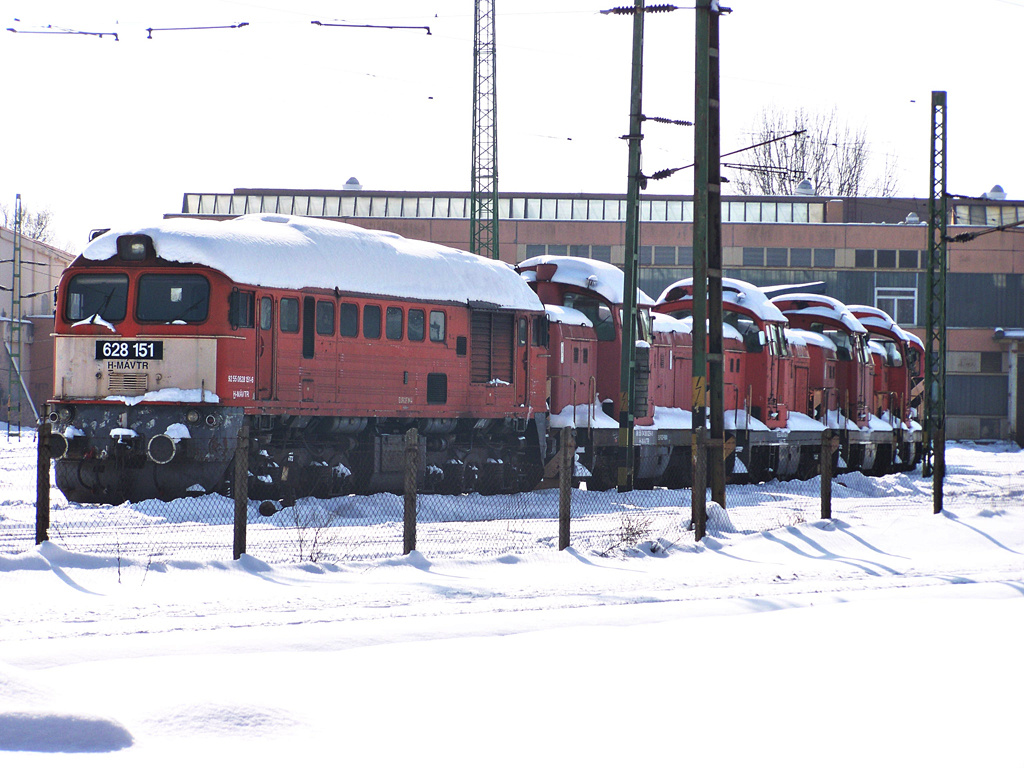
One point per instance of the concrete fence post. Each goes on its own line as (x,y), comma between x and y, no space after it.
(43,484)
(567,461)
(240,490)
(826,474)
(412,459)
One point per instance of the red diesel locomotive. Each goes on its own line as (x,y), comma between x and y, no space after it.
(328,342)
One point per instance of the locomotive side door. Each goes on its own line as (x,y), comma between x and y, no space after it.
(265,351)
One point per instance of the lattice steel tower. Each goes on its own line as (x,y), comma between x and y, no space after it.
(935,308)
(483,196)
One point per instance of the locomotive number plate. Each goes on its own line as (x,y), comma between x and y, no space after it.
(129,350)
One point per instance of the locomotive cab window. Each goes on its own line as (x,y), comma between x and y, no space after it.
(541,333)
(242,309)
(103,295)
(173,299)
(599,313)
(417,324)
(290,315)
(892,355)
(844,345)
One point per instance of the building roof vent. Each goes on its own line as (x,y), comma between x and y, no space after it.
(352,183)
(805,187)
(996,193)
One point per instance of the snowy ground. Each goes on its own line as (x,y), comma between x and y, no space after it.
(878,638)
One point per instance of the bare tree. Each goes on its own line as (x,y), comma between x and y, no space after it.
(834,157)
(38,226)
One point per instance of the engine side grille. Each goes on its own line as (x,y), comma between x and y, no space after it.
(127,383)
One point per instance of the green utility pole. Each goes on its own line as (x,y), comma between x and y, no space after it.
(934,399)
(631,269)
(483,193)
(707,274)
(14,350)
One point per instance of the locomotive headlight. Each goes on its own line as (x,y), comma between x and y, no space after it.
(135,247)
(192,417)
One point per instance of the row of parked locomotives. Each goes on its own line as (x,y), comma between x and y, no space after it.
(325,344)
(793,366)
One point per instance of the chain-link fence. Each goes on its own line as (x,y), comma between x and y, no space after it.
(377,527)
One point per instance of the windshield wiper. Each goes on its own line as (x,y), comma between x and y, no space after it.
(106,301)
(188,309)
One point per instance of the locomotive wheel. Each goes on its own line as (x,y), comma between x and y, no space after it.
(809,463)
(679,473)
(759,464)
(603,475)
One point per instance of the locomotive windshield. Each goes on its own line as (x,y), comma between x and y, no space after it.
(103,295)
(892,354)
(173,299)
(599,313)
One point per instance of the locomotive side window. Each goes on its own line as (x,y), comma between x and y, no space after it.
(348,319)
(371,321)
(437,326)
(417,324)
(325,318)
(242,309)
(266,313)
(524,329)
(103,295)
(541,334)
(173,299)
(393,323)
(290,315)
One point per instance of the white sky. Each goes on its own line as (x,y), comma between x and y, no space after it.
(102,131)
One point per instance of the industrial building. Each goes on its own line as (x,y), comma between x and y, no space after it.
(863,250)
(26,360)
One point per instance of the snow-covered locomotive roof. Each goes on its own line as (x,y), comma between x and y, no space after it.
(295,252)
(879,321)
(661,323)
(598,276)
(805,338)
(821,306)
(737,292)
